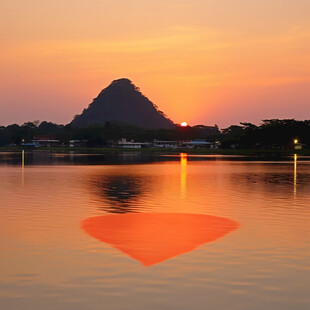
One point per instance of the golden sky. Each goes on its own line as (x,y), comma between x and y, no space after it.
(200,61)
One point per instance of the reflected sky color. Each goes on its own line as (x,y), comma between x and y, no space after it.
(155,237)
(48,262)
(203,61)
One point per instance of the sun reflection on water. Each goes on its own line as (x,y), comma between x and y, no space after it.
(183,157)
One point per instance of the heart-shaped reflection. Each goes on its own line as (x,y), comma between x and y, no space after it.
(154,237)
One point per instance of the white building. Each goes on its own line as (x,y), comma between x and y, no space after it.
(166,144)
(201,143)
(78,143)
(45,141)
(123,143)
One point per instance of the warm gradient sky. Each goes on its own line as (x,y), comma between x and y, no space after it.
(202,61)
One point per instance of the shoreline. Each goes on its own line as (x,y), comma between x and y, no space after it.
(162,151)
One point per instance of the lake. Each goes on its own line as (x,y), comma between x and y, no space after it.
(134,231)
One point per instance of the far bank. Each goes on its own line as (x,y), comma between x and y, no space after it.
(202,151)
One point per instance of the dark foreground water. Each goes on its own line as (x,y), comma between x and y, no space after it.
(130,231)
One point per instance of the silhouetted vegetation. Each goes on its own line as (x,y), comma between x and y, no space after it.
(98,136)
(270,134)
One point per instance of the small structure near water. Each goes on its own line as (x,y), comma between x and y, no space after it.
(45,141)
(166,144)
(201,144)
(78,143)
(123,143)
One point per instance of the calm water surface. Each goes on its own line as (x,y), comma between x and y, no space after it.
(143,232)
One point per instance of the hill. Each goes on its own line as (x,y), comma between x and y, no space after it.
(122,102)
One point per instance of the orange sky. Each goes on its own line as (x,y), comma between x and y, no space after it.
(204,61)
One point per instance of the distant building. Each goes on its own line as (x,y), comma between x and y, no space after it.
(78,143)
(28,145)
(166,144)
(197,144)
(123,143)
(45,141)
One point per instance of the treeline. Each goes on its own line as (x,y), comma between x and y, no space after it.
(99,136)
(270,134)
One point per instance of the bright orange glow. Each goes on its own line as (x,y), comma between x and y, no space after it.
(183,124)
(155,237)
(183,173)
(202,64)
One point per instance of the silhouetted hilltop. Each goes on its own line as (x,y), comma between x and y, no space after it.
(122,102)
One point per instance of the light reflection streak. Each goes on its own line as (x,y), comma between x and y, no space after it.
(183,157)
(295,175)
(23,167)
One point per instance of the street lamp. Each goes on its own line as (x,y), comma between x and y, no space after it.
(295,141)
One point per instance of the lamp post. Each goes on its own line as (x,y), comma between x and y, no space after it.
(297,145)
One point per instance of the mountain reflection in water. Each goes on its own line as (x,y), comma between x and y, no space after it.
(155,237)
(118,192)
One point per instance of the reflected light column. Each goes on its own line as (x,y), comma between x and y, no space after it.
(183,157)
(23,167)
(295,174)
